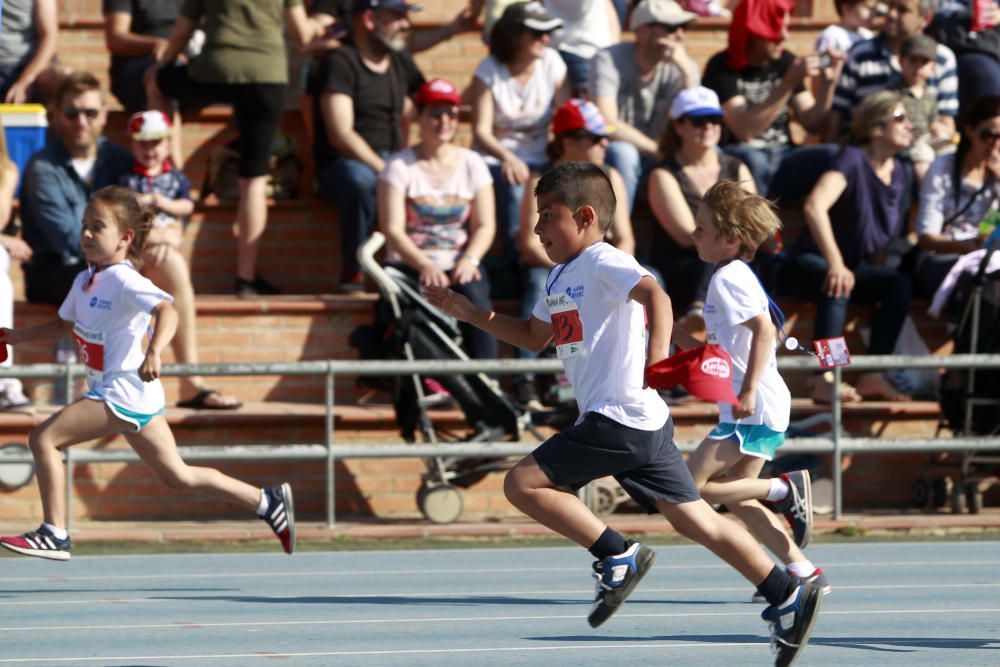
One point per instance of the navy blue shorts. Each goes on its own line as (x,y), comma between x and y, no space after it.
(647,464)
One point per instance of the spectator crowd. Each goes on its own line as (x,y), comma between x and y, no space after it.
(885,135)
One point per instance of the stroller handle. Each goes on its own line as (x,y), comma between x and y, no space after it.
(366,258)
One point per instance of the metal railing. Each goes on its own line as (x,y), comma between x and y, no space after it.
(835,443)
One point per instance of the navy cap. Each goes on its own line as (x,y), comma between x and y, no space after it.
(391,5)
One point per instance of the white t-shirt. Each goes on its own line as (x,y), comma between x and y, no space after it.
(111,318)
(586,26)
(437,205)
(601,335)
(521,114)
(840,38)
(735,296)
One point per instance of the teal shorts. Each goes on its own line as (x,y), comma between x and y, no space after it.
(137,419)
(753,439)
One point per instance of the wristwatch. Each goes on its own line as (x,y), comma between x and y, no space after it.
(472,260)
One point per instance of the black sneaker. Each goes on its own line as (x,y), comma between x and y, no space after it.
(818,577)
(797,506)
(792,622)
(280,515)
(41,543)
(616,577)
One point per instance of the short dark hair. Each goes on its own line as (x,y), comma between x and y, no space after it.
(577,184)
(839,5)
(505,40)
(74,84)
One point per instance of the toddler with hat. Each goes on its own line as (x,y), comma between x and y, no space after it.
(917,63)
(162,187)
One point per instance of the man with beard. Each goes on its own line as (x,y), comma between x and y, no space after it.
(360,97)
(76,161)
(873,65)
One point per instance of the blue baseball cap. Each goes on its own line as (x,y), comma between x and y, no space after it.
(391,5)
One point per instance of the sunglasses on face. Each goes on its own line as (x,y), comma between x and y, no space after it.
(898,117)
(988,136)
(702,121)
(442,112)
(538,34)
(667,28)
(72,113)
(587,136)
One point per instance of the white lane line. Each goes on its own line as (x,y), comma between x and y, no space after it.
(292,599)
(429,651)
(951,564)
(185,625)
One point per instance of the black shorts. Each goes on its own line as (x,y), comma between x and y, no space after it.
(257,107)
(647,464)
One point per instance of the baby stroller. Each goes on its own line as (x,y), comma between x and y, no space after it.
(969,397)
(408,327)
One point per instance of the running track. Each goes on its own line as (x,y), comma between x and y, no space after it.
(912,604)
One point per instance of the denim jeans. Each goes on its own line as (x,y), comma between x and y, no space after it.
(351,185)
(577,71)
(508,202)
(785,172)
(891,291)
(632,165)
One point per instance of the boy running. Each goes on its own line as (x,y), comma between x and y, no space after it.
(730,226)
(596,304)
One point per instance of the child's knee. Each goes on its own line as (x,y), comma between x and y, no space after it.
(40,441)
(178,479)
(514,487)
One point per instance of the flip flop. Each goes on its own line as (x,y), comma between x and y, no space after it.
(200,402)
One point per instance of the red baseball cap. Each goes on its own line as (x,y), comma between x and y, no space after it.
(580,114)
(438,91)
(706,372)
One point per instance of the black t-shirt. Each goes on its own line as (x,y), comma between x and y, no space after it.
(378,98)
(755,84)
(151,18)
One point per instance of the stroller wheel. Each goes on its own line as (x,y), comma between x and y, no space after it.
(603,497)
(440,503)
(922,493)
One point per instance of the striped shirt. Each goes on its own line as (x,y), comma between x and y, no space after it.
(870,67)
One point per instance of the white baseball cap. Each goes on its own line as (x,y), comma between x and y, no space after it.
(697,101)
(666,12)
(149,125)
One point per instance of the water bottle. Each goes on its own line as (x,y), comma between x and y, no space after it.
(65,354)
(980,20)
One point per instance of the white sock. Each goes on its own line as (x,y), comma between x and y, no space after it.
(58,533)
(262,505)
(802,569)
(779,489)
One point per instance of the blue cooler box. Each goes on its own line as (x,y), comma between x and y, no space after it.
(24,127)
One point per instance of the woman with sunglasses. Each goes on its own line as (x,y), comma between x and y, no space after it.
(854,216)
(692,163)
(514,92)
(435,207)
(580,135)
(958,192)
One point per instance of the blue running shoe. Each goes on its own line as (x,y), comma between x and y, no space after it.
(616,577)
(792,622)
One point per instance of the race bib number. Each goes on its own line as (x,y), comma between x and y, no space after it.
(567,328)
(90,349)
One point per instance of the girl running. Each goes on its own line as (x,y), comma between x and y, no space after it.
(109,310)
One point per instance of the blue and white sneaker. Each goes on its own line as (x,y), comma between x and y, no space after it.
(41,543)
(818,577)
(616,577)
(792,622)
(797,506)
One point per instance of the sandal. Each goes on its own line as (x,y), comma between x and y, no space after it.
(877,387)
(210,399)
(822,391)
